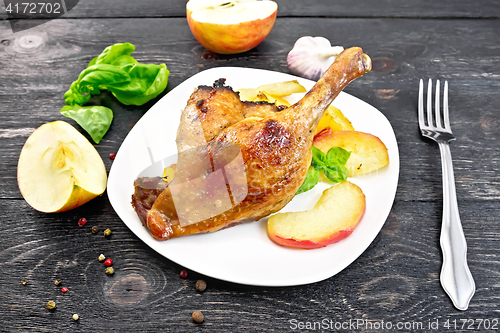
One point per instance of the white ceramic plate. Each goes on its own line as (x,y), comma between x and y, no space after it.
(244,254)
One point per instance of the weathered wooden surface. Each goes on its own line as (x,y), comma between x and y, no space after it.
(324,8)
(397,277)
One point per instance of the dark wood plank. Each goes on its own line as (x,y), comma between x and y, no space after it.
(286,8)
(53,56)
(395,280)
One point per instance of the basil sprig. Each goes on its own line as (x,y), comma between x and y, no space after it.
(115,70)
(332,164)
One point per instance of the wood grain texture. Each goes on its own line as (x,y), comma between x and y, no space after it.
(53,56)
(286,8)
(397,277)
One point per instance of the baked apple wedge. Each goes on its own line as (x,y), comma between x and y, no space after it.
(368,152)
(333,218)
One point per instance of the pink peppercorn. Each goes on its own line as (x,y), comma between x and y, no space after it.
(183,274)
(108,262)
(64,289)
(82,221)
(112,156)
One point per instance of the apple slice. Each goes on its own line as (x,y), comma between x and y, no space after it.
(333,218)
(368,152)
(59,169)
(229,27)
(334,119)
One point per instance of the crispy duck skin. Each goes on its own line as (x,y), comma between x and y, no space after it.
(275,146)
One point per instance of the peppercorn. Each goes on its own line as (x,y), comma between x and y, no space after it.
(95,229)
(198,317)
(101,257)
(76,317)
(57,282)
(109,270)
(201,285)
(23,282)
(82,221)
(183,274)
(112,156)
(107,232)
(64,289)
(108,262)
(51,305)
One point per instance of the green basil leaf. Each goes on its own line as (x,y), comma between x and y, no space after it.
(117,71)
(124,60)
(102,76)
(74,96)
(110,54)
(332,164)
(92,62)
(337,156)
(336,174)
(318,158)
(311,180)
(94,79)
(93,119)
(147,82)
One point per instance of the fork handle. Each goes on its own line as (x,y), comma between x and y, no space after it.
(456,278)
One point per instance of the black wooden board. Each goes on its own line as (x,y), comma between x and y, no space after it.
(396,279)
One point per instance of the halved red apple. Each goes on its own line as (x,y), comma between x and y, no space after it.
(229,27)
(333,218)
(59,169)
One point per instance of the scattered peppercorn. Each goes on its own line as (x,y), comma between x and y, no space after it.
(108,262)
(76,317)
(198,317)
(109,270)
(112,156)
(201,285)
(57,282)
(107,232)
(23,282)
(95,229)
(64,289)
(82,221)
(101,257)
(51,305)
(183,274)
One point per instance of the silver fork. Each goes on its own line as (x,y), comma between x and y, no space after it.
(456,278)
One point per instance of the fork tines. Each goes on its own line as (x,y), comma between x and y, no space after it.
(433,120)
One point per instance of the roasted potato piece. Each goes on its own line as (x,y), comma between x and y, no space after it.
(272,92)
(282,89)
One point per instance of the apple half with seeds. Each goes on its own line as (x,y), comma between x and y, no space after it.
(59,169)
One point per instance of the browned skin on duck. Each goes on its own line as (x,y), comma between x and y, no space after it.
(275,146)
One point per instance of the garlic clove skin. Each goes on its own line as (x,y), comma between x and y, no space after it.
(310,57)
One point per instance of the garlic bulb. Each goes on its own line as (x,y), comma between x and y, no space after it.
(311,57)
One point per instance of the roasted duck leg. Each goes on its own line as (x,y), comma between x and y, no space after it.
(274,145)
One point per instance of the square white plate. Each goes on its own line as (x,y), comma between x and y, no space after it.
(244,254)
